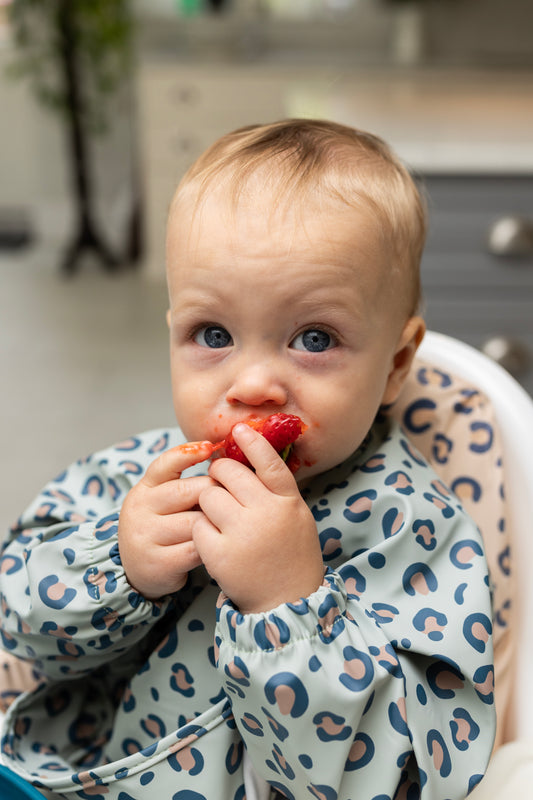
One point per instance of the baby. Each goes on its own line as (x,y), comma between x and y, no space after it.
(351,655)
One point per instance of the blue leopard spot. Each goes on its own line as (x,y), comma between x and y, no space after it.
(361,752)
(354,581)
(382,613)
(234,757)
(238,671)
(160,444)
(131,467)
(329,543)
(444,679)
(10,564)
(300,607)
(504,561)
(415,418)
(129,444)
(392,522)
(424,529)
(93,486)
(441,448)
(439,752)
(483,437)
(55,594)
(358,670)
(276,727)
(418,578)
(376,560)
(463,553)
(280,764)
(320,513)
(181,680)
(360,506)
(421,695)
(374,464)
(169,644)
(252,725)
(106,619)
(331,727)
(446,510)
(412,453)
(397,719)
(271,634)
(181,761)
(464,728)
(283,789)
(322,792)
(286,690)
(473,782)
(459,594)
(477,629)
(400,481)
(114,489)
(153,726)
(430,622)
(466,488)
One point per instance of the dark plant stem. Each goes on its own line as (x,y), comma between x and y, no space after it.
(86,237)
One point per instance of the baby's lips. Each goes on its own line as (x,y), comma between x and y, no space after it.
(280,430)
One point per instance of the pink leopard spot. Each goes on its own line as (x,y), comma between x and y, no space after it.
(285,699)
(362,505)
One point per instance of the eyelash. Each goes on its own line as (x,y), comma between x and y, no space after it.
(330,344)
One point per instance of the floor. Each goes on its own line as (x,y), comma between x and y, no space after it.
(85,361)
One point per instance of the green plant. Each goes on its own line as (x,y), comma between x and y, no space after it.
(75,53)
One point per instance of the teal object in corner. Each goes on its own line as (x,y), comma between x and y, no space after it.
(12,787)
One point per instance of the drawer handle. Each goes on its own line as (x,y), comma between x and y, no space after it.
(509,353)
(511,236)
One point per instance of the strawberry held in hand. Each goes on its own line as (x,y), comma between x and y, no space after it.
(280,430)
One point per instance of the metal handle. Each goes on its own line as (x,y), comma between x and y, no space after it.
(510,353)
(511,236)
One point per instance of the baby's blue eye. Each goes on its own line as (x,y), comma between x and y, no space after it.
(314,341)
(213,336)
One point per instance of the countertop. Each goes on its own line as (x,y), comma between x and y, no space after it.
(438,117)
(437,121)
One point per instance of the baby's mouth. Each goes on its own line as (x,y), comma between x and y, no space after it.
(280,430)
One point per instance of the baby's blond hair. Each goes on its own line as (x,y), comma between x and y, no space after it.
(306,159)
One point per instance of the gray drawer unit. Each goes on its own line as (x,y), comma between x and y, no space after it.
(477,269)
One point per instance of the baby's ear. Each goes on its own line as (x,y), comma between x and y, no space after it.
(168,317)
(408,343)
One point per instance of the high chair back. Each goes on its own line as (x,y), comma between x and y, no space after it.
(513,410)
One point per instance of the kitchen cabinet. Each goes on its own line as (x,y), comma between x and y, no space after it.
(476,166)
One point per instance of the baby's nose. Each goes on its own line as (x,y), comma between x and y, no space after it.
(257,384)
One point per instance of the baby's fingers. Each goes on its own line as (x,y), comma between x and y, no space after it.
(178,495)
(268,465)
(170,464)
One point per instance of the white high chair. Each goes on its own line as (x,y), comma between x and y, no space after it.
(513,408)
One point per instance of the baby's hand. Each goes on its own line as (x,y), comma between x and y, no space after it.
(156,522)
(258,538)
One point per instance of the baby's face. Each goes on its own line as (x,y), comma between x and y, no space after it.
(280,312)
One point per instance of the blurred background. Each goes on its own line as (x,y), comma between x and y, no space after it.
(104,104)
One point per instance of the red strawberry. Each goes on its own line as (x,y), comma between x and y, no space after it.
(280,430)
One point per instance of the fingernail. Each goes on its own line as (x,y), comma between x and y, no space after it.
(243,431)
